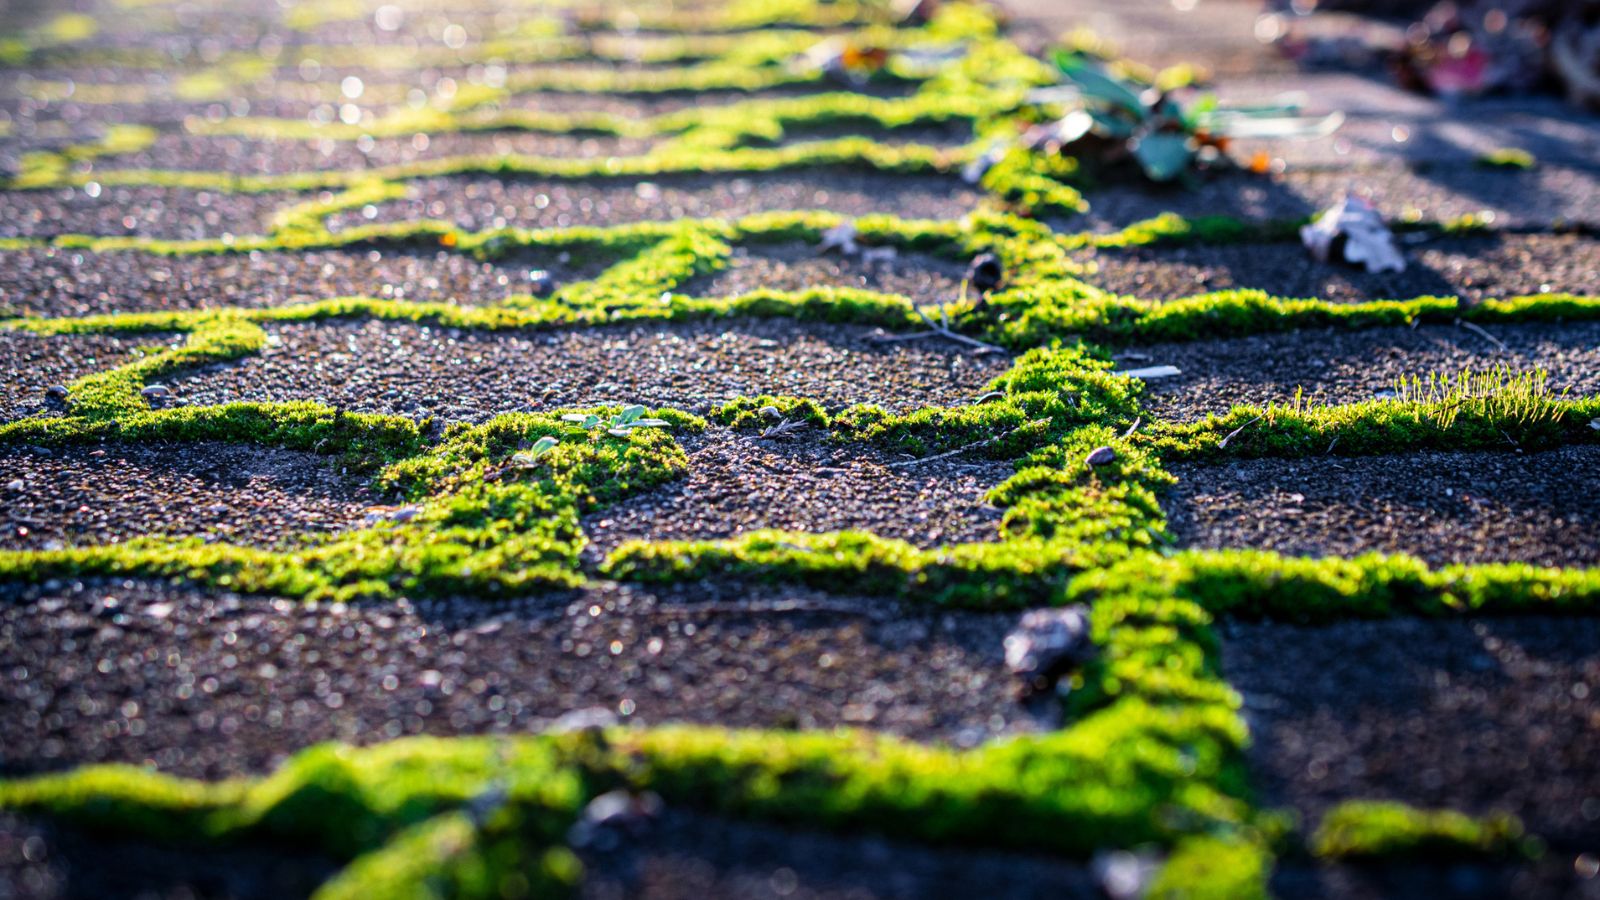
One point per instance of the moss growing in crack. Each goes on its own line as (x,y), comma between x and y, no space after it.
(1371,828)
(1480,412)
(1150,763)
(753,412)
(1252,584)
(1231,867)
(481,522)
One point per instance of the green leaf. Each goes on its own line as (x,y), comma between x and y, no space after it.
(1163,156)
(628,415)
(1097,84)
(543,445)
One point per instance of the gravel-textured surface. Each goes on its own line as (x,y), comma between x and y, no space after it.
(48,861)
(98,494)
(1350,366)
(477,203)
(688,856)
(31,363)
(272,157)
(376,366)
(1476,268)
(1442,507)
(1472,715)
(794,267)
(683,855)
(211,684)
(54,282)
(1555,876)
(156,212)
(803,482)
(1548,194)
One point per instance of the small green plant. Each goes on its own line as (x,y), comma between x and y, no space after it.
(620,425)
(1114,119)
(1498,393)
(530,457)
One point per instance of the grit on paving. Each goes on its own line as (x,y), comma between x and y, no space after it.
(213,684)
(1474,268)
(1336,367)
(55,282)
(478,203)
(377,366)
(1474,713)
(277,157)
(30,364)
(86,495)
(1444,508)
(156,212)
(788,267)
(800,482)
(699,856)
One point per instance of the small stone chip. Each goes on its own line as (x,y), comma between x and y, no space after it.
(1047,644)
(613,818)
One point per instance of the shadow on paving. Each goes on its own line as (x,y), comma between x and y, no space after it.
(46,861)
(1536,198)
(1444,508)
(691,856)
(210,684)
(402,367)
(684,854)
(1549,878)
(1474,268)
(1338,366)
(1475,715)
(1493,714)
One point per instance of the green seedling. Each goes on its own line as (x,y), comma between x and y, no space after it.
(1115,119)
(1498,393)
(530,457)
(620,425)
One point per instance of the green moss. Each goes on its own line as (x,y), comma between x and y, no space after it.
(1206,867)
(1154,759)
(1508,158)
(1151,754)
(1369,828)
(1471,411)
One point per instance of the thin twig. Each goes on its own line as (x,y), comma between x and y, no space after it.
(1480,332)
(994,439)
(1235,433)
(1132,428)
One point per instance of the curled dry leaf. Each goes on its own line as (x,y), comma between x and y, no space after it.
(1352,232)
(840,238)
